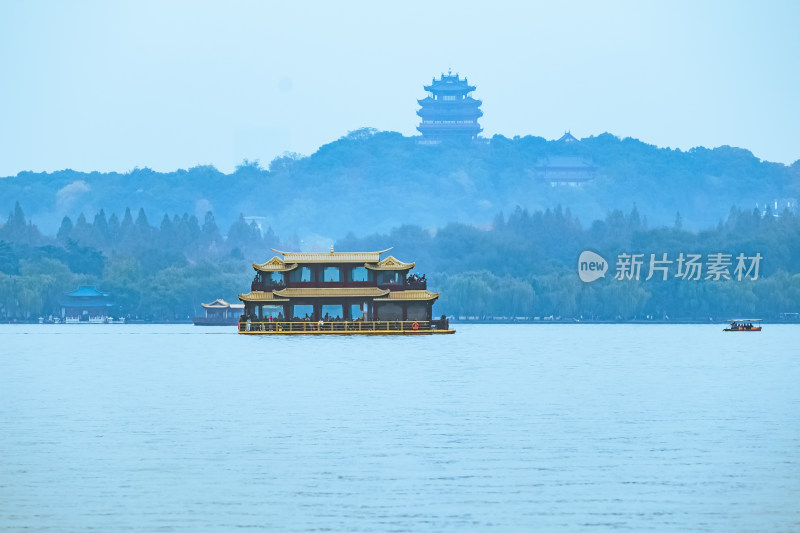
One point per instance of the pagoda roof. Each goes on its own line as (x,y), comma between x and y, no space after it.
(331,257)
(260,296)
(390,263)
(414,295)
(332,292)
(275,264)
(219,303)
(449,83)
(87,291)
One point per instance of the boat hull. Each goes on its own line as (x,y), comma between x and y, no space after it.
(203,321)
(430,332)
(737,329)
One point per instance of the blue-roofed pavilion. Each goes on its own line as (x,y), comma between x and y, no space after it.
(86,304)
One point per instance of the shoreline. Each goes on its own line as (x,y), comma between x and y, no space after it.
(452,321)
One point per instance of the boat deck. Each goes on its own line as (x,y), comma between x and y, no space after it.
(357,327)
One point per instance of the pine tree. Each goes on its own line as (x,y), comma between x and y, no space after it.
(127,220)
(113,228)
(65,230)
(17,218)
(210,229)
(239,234)
(100,227)
(166,233)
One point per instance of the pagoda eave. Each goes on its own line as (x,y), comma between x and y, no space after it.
(449,88)
(440,114)
(448,130)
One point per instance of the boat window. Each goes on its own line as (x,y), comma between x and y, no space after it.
(388,277)
(390,312)
(301,274)
(332,312)
(330,274)
(274,311)
(359,273)
(276,277)
(418,311)
(300,312)
(357,311)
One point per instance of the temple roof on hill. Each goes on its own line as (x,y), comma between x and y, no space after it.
(565,161)
(330,257)
(568,138)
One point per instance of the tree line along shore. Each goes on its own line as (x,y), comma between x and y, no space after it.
(521,266)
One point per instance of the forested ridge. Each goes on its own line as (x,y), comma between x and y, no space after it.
(370,180)
(522,264)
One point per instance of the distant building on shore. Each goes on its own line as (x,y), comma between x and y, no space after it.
(778,206)
(574,168)
(219,313)
(449,113)
(86,304)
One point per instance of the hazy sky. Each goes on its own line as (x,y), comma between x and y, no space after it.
(113,85)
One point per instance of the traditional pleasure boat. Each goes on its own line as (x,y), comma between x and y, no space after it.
(345,293)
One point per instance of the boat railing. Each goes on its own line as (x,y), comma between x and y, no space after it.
(355,326)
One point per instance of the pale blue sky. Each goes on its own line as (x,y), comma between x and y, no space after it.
(113,85)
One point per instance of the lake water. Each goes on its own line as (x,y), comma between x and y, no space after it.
(496,428)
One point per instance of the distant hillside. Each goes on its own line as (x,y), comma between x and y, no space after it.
(372,181)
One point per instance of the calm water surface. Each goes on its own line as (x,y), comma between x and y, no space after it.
(497,428)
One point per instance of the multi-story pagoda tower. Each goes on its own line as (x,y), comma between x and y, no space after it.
(450,112)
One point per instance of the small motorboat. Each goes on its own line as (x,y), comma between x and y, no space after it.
(744,324)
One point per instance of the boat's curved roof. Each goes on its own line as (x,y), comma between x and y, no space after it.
(390,263)
(331,257)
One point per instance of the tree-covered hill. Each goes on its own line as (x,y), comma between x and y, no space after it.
(371,180)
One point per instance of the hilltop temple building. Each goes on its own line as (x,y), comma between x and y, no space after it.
(573,167)
(449,113)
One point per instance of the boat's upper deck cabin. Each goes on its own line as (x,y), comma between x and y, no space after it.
(335,269)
